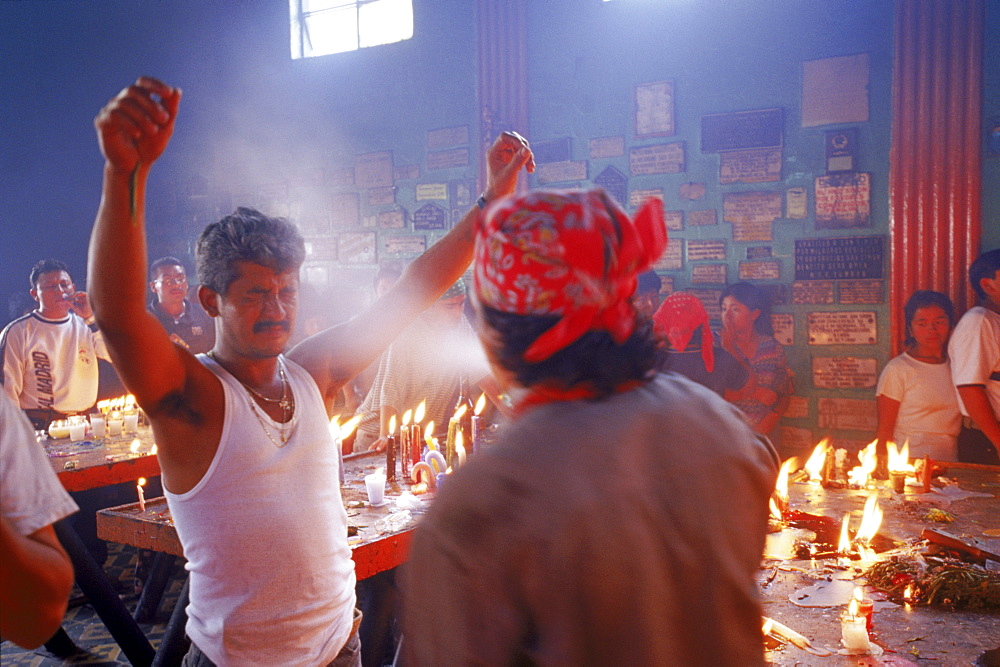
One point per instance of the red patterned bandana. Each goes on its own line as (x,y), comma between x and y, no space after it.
(572,253)
(678,317)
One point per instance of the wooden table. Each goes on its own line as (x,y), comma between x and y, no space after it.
(103,461)
(944,636)
(373,552)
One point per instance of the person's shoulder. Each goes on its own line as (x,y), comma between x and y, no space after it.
(16,324)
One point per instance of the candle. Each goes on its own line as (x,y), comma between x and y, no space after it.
(422,473)
(114,423)
(77,429)
(854,634)
(449,443)
(390,451)
(404,444)
(97,425)
(134,447)
(416,443)
(429,435)
(131,422)
(898,481)
(142,495)
(436,460)
(459,449)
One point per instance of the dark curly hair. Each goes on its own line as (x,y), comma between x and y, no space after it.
(922,299)
(45,266)
(247,235)
(753,298)
(984,266)
(594,360)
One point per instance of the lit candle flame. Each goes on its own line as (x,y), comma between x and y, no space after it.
(871,520)
(153,449)
(480,404)
(900,461)
(766,629)
(460,448)
(852,607)
(134,447)
(392,425)
(861,475)
(814,466)
(844,545)
(344,431)
(429,435)
(460,412)
(418,414)
(407,416)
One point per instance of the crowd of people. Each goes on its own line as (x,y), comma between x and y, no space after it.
(618,400)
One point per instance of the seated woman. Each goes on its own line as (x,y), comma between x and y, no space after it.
(681,320)
(747,334)
(915,396)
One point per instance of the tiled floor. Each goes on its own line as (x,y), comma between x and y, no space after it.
(87,630)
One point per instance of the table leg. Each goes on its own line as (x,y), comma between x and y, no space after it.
(175,643)
(112,611)
(152,588)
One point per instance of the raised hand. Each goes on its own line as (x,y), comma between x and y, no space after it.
(504,160)
(135,126)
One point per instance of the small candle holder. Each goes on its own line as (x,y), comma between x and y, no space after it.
(898,481)
(854,633)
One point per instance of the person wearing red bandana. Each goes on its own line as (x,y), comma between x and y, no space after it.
(620,517)
(682,322)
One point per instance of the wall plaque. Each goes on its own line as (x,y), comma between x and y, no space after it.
(784,328)
(708,274)
(691,191)
(842,328)
(404,245)
(796,203)
(797,439)
(392,219)
(844,372)
(761,165)
(552,150)
(698,250)
(613,181)
(654,109)
(760,270)
(322,249)
(447,137)
(860,291)
(710,299)
(637,197)
(317,274)
(843,201)
(345,209)
(759,252)
(841,145)
(658,159)
(798,407)
(447,159)
(426,191)
(340,177)
(561,172)
(406,172)
(463,193)
(670,260)
(740,207)
(706,216)
(356,248)
(812,291)
(373,170)
(673,220)
(848,413)
(777,293)
(607,147)
(429,217)
(313,225)
(854,257)
(382,196)
(742,130)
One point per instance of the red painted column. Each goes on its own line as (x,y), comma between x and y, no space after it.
(935,176)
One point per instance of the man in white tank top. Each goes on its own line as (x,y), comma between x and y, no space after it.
(249,467)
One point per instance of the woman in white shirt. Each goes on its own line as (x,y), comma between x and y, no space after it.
(915,397)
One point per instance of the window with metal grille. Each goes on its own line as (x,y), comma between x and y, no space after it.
(322,27)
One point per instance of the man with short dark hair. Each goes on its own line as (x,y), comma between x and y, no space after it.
(249,465)
(595,530)
(647,292)
(974,350)
(50,355)
(187,324)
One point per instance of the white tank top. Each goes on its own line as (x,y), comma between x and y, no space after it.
(265,535)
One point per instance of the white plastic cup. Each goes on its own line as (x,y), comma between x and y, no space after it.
(375,483)
(98,426)
(131,422)
(77,431)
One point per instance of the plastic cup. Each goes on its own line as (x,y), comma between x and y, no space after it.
(77,431)
(375,483)
(98,426)
(131,422)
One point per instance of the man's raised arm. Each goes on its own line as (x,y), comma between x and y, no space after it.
(338,354)
(133,130)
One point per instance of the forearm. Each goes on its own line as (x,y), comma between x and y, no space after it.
(117,257)
(35,581)
(977,404)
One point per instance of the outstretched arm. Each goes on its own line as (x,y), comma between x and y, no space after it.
(338,354)
(977,403)
(133,130)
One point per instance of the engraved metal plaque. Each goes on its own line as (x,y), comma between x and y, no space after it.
(426,191)
(760,270)
(741,130)
(373,170)
(708,274)
(812,291)
(848,413)
(844,372)
(698,250)
(562,172)
(356,248)
(707,216)
(382,196)
(784,328)
(429,217)
(671,259)
(394,219)
(861,291)
(607,147)
(446,159)
(673,220)
(404,245)
(843,201)
(658,159)
(796,203)
(552,150)
(855,257)
(654,109)
(637,197)
(757,166)
(842,328)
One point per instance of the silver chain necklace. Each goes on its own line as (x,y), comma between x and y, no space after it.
(283,402)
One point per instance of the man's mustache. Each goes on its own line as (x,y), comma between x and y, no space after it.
(260,327)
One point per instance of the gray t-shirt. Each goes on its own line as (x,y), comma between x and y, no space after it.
(621,531)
